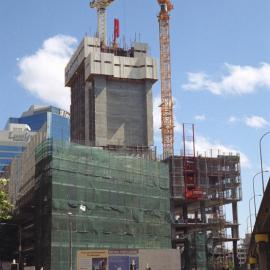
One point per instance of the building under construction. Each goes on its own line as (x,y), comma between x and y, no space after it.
(111,94)
(201,187)
(69,198)
(131,199)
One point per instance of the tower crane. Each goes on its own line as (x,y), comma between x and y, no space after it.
(101,6)
(167,119)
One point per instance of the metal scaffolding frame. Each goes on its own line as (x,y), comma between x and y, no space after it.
(218,177)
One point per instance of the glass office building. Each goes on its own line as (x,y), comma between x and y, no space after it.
(7,153)
(13,140)
(18,131)
(57,120)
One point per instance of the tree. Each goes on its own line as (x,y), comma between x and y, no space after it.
(5,206)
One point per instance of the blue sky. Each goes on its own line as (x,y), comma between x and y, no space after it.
(220,62)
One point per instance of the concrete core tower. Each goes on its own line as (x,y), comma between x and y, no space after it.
(111,94)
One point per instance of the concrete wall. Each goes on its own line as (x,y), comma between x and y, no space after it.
(123,112)
(87,45)
(154,259)
(100,86)
(143,67)
(160,259)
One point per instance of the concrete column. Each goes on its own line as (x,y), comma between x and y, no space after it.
(173,230)
(86,113)
(185,212)
(235,257)
(149,112)
(202,210)
(196,215)
(235,234)
(101,128)
(263,255)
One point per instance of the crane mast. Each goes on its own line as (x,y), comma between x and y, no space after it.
(167,120)
(101,6)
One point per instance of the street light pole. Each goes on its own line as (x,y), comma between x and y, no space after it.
(254,190)
(20,247)
(250,214)
(248,217)
(247,223)
(258,195)
(70,241)
(82,208)
(253,197)
(261,157)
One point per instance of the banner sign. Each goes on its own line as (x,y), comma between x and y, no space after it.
(92,260)
(108,260)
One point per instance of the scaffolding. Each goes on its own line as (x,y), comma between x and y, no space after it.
(126,202)
(22,168)
(218,177)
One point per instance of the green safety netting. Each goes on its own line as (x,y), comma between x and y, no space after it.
(125,198)
(201,258)
(197,251)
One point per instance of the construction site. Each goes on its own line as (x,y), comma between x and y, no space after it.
(201,186)
(107,189)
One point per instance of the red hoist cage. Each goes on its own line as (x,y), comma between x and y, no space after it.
(192,190)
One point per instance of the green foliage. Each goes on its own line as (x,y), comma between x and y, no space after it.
(5,206)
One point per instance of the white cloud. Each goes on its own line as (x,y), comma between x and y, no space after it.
(253,121)
(256,122)
(205,147)
(239,80)
(200,117)
(233,119)
(42,73)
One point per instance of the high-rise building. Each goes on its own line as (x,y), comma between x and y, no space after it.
(18,131)
(56,120)
(111,94)
(13,141)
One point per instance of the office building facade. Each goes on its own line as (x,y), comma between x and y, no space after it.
(18,131)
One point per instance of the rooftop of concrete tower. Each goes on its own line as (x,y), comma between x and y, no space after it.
(133,63)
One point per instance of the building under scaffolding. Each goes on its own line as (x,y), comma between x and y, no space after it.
(125,198)
(203,218)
